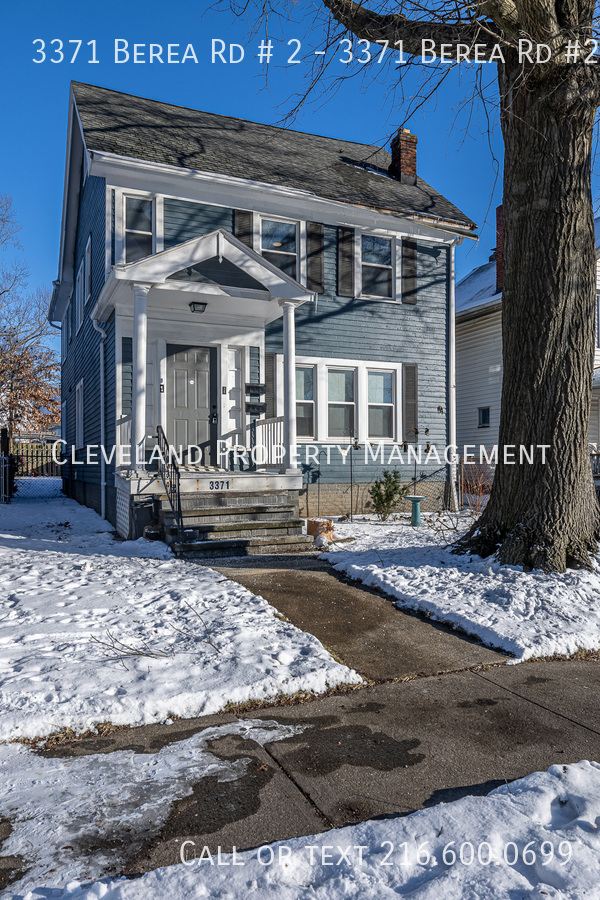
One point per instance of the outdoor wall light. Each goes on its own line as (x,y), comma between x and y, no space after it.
(197,307)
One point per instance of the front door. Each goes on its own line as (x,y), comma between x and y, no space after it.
(192,402)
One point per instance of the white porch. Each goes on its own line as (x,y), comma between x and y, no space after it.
(211,294)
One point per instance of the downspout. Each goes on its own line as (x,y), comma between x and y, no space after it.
(452,373)
(102,334)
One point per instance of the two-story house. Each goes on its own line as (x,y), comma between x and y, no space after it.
(262,296)
(479,351)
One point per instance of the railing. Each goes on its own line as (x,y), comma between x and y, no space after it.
(266,439)
(169,472)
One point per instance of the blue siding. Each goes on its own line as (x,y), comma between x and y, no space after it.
(83,359)
(184,220)
(385,332)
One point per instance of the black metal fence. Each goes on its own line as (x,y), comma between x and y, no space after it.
(36,462)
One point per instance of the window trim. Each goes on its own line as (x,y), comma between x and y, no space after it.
(87,278)
(300,226)
(79,295)
(79,416)
(136,195)
(481,409)
(353,403)
(396,266)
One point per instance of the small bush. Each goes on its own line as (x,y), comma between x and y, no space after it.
(387,492)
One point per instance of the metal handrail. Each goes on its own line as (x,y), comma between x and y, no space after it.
(169,472)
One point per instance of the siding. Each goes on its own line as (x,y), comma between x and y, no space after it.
(184,220)
(83,360)
(478,378)
(387,332)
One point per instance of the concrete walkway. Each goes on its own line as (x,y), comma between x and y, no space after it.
(387,749)
(362,628)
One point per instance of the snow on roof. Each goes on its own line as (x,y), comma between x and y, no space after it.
(479,286)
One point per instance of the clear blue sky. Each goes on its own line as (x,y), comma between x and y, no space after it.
(34,104)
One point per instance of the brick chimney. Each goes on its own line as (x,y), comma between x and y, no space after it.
(403,166)
(499,247)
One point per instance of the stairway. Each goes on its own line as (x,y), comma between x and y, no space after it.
(234,523)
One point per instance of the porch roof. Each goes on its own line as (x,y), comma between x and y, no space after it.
(214,265)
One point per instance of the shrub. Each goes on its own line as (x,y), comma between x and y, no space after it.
(387,492)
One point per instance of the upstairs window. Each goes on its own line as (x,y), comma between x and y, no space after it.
(279,244)
(305,401)
(377,266)
(138,228)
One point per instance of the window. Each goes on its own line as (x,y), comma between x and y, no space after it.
(79,415)
(305,401)
(340,403)
(79,289)
(279,244)
(377,266)
(88,270)
(138,228)
(381,404)
(483,416)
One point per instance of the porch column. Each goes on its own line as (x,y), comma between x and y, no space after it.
(289,381)
(138,400)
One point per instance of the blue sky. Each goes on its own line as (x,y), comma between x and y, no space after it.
(35,97)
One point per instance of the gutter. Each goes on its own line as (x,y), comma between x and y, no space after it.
(452,371)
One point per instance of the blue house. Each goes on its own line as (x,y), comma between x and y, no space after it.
(247,310)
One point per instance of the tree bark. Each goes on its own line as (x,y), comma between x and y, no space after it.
(545,515)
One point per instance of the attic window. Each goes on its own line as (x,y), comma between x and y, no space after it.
(138,228)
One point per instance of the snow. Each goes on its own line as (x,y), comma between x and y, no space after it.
(528,614)
(477,288)
(65,581)
(67,808)
(537,837)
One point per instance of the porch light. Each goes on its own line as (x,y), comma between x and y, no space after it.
(197,307)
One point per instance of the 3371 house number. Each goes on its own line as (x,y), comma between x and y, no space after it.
(219,485)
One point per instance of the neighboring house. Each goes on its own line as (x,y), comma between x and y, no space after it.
(239,285)
(479,351)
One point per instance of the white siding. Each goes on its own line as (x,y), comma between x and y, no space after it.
(478,378)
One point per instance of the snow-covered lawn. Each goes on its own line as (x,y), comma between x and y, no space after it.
(528,614)
(64,581)
(538,837)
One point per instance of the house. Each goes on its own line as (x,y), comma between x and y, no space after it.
(479,351)
(261,298)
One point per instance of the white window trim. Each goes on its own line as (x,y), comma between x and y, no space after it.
(79,442)
(300,240)
(362,367)
(87,278)
(79,295)
(121,229)
(396,242)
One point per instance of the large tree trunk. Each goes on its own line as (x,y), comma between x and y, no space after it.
(545,515)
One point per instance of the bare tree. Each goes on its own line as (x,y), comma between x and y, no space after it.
(23,313)
(540,515)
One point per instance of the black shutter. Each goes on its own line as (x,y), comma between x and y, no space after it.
(345,279)
(270,385)
(409,271)
(410,403)
(315,242)
(242,227)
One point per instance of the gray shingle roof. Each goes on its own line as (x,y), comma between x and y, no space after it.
(159,132)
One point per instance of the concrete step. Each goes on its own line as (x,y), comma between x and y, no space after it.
(227,499)
(235,530)
(245,547)
(226,514)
